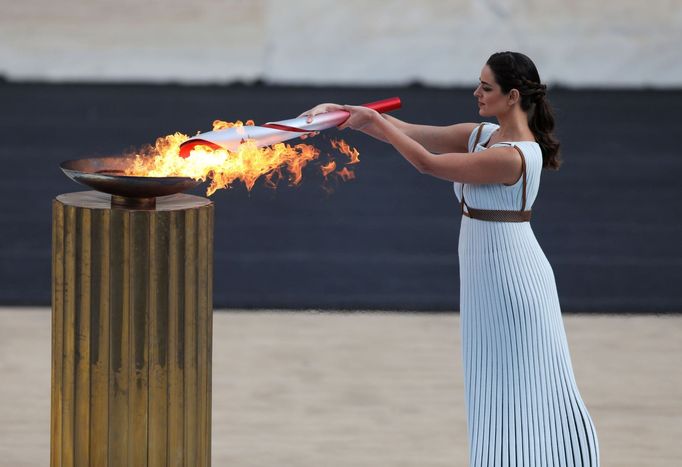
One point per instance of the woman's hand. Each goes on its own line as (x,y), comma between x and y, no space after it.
(360,117)
(318,109)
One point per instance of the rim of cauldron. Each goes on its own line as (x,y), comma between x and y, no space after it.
(100,173)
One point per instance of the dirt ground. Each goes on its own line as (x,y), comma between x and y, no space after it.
(310,389)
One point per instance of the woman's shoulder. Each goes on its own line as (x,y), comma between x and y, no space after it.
(531,150)
(486,129)
(525,146)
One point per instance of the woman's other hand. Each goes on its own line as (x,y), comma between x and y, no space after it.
(320,109)
(360,116)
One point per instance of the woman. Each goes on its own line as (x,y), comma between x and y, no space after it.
(523,404)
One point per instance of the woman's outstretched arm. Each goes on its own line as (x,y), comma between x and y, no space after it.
(494,165)
(436,139)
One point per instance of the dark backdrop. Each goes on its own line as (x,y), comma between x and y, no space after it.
(608,221)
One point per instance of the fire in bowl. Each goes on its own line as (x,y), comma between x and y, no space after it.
(107,174)
(232,151)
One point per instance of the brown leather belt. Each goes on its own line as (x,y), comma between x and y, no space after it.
(497,215)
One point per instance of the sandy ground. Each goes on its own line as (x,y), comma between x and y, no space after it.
(369,389)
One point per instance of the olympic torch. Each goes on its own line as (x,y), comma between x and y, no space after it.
(277,132)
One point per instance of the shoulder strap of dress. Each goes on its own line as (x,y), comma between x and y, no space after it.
(479,131)
(523,169)
(478,138)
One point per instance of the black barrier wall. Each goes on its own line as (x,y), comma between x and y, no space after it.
(608,221)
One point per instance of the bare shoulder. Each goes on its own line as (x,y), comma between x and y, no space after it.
(498,164)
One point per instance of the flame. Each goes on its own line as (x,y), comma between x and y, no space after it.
(344,148)
(346,174)
(328,168)
(247,164)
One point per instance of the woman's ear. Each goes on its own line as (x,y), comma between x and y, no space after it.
(513,97)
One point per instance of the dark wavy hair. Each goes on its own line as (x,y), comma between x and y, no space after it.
(514,70)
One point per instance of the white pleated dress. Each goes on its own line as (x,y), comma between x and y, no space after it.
(522,401)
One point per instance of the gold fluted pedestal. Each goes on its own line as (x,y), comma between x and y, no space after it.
(131,332)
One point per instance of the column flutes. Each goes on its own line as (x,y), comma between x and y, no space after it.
(131,332)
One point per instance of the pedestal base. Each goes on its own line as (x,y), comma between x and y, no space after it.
(131,332)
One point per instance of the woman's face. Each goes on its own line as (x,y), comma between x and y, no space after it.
(491,100)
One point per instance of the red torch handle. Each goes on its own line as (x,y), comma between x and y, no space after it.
(385,105)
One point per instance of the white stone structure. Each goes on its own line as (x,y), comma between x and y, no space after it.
(578,43)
